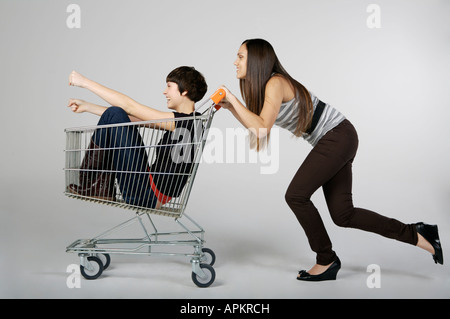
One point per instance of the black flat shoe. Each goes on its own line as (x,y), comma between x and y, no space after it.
(430,233)
(329,274)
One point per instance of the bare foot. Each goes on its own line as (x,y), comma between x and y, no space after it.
(424,244)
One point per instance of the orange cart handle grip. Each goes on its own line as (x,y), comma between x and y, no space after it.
(218,96)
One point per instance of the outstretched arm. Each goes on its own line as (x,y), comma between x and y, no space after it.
(80,106)
(115,98)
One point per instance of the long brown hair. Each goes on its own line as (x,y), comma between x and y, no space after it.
(262,62)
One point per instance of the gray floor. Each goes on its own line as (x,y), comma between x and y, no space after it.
(255,258)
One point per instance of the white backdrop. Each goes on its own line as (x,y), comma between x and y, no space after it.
(391,82)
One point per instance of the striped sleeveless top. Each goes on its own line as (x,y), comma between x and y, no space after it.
(288,118)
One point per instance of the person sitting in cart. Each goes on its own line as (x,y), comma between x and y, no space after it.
(118,152)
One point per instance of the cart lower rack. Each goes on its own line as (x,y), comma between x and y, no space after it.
(148,167)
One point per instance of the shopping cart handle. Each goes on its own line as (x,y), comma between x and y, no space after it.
(217,97)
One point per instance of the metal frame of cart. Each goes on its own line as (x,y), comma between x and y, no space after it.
(95,252)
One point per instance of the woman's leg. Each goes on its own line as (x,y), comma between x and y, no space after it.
(338,195)
(330,164)
(128,157)
(326,159)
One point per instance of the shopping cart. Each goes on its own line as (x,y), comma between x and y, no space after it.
(152,174)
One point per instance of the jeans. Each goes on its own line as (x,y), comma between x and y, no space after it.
(329,165)
(127,157)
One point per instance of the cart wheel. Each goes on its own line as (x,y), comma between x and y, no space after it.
(209,257)
(105,259)
(208,279)
(95,268)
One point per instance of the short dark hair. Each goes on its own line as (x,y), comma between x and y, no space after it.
(189,79)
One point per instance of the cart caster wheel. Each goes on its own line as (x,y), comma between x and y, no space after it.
(94,268)
(105,259)
(208,279)
(209,257)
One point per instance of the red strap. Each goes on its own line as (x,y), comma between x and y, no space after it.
(161,197)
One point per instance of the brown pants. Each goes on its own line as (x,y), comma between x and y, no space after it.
(329,164)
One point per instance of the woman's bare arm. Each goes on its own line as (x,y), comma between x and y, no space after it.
(263,122)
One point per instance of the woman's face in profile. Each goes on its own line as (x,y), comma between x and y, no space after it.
(241,62)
